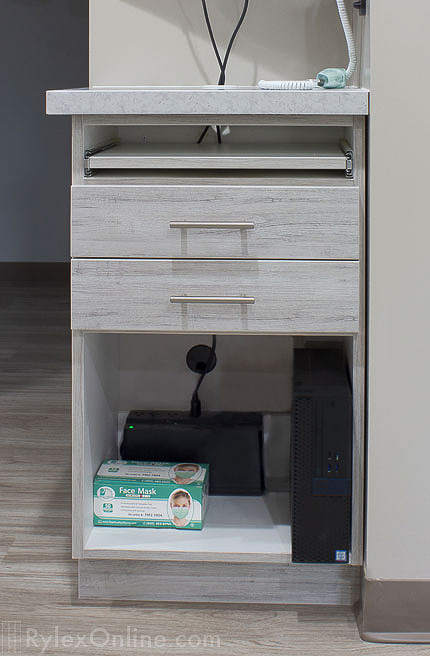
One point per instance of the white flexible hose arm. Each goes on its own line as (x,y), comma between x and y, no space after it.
(349,36)
(325,78)
(288,85)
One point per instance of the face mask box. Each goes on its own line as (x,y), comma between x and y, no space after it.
(151,494)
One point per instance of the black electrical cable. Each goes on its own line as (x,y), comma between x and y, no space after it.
(211,33)
(222,63)
(196,407)
(232,40)
(203,134)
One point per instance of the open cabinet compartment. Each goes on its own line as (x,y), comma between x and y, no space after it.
(140,148)
(115,373)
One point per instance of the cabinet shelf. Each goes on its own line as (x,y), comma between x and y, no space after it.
(237,529)
(311,156)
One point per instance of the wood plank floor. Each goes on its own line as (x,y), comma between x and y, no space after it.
(37,576)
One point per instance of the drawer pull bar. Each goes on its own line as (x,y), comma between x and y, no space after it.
(232,300)
(238,225)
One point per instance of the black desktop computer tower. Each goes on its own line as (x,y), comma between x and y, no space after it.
(321,457)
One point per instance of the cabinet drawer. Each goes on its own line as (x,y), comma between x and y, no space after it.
(265,296)
(218,221)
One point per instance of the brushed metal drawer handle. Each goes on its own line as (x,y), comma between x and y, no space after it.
(231,225)
(232,300)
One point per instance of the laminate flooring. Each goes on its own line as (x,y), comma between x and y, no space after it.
(39,609)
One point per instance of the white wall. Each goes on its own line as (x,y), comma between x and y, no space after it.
(137,42)
(398,531)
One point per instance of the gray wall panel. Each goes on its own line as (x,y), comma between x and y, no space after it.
(43,45)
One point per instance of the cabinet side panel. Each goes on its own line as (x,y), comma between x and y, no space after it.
(95,412)
(77,443)
(358,355)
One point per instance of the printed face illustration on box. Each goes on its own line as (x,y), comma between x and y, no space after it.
(181,508)
(184,473)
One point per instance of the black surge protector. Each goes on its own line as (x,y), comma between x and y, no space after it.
(230,442)
(321,454)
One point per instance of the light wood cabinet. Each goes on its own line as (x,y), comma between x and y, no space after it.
(272,252)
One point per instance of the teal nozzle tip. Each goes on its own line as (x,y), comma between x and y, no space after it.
(332,78)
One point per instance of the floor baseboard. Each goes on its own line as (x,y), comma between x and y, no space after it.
(35,272)
(394,611)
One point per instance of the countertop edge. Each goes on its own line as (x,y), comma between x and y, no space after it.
(202,101)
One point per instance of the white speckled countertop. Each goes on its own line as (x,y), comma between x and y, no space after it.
(206,101)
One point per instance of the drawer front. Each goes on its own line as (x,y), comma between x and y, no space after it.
(201,221)
(266,296)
